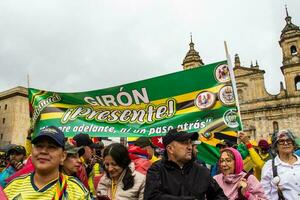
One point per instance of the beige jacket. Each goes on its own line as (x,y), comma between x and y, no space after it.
(134,193)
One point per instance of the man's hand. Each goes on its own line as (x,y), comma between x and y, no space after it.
(244,138)
(19,166)
(16,165)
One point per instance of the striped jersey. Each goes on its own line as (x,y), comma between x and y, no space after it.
(23,188)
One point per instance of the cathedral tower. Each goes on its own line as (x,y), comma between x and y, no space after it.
(192,58)
(290,45)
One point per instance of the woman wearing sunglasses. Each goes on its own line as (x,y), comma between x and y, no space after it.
(280,176)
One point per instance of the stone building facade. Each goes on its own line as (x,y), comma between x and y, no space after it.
(14,116)
(261,112)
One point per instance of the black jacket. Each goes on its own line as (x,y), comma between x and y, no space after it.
(167,181)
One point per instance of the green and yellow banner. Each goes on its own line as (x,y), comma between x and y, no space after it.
(199,99)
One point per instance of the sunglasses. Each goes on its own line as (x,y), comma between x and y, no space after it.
(287,141)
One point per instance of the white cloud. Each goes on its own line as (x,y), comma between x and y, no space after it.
(68,45)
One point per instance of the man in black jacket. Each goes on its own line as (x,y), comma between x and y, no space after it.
(177,176)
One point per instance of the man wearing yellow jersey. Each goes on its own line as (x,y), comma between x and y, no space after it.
(46,182)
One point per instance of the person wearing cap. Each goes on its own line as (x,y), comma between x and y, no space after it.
(258,158)
(177,176)
(146,144)
(16,155)
(47,182)
(89,159)
(286,184)
(72,162)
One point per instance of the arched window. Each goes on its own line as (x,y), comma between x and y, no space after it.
(240,94)
(275,126)
(293,50)
(297,82)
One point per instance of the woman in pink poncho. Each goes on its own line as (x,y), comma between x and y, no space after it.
(237,185)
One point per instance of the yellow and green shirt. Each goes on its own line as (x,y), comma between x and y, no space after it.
(23,188)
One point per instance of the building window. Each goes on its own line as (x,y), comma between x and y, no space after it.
(293,50)
(297,82)
(275,126)
(1,136)
(5,107)
(3,120)
(240,94)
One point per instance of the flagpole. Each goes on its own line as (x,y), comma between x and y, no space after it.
(28,81)
(232,77)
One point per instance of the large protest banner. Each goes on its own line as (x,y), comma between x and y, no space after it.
(199,99)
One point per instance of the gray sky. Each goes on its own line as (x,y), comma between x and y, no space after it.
(80,45)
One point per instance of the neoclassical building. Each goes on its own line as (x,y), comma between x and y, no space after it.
(261,112)
(14,116)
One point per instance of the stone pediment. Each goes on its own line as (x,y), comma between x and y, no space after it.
(245,71)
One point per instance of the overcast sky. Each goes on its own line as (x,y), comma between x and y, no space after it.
(80,45)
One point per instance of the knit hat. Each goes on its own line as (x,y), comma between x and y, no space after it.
(238,168)
(263,144)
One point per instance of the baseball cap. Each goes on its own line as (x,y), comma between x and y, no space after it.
(143,142)
(179,135)
(83,139)
(71,149)
(52,132)
(18,149)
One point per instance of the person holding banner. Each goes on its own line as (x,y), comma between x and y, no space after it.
(121,181)
(177,176)
(47,182)
(257,157)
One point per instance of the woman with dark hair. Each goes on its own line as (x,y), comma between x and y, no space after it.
(236,184)
(280,176)
(120,181)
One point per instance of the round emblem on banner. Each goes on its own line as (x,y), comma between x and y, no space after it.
(222,73)
(226,95)
(230,118)
(207,135)
(205,100)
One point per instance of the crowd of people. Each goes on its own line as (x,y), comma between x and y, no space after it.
(53,167)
